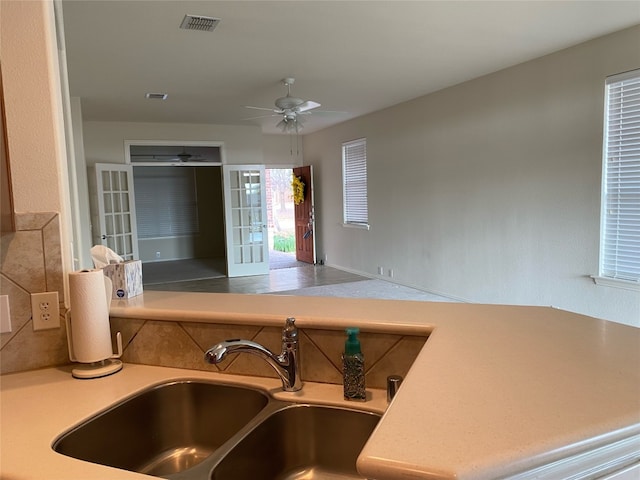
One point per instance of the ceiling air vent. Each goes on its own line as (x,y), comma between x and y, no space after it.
(199,22)
(156,96)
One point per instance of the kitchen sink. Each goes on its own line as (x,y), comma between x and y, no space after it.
(195,430)
(165,429)
(300,442)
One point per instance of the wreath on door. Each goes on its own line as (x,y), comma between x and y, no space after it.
(298,190)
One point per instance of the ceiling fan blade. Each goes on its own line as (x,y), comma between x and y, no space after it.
(261,116)
(306,106)
(262,108)
(330,112)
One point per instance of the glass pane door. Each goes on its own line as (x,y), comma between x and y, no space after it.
(246,220)
(116,209)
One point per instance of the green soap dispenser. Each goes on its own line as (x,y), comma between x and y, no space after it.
(353,367)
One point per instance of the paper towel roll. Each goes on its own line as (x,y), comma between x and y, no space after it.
(90,335)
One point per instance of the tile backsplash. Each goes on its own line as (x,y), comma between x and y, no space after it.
(182,345)
(31,262)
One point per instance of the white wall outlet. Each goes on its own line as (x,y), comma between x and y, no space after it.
(157,254)
(5,315)
(45,310)
(391,272)
(380,270)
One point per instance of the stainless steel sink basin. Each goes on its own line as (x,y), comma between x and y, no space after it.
(166,429)
(299,442)
(195,430)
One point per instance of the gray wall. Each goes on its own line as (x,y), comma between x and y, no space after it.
(488,191)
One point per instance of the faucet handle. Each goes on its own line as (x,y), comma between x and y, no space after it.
(393,384)
(290,331)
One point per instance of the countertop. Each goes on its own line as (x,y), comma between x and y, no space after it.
(496,391)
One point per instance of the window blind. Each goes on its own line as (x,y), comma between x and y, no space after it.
(354,170)
(620,246)
(166,201)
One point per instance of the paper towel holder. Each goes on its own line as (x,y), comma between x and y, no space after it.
(101,368)
(98,369)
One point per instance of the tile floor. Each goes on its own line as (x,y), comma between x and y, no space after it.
(287,277)
(279,280)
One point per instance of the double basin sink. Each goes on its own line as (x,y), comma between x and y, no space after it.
(196,430)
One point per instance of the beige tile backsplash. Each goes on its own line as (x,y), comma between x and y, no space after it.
(31,262)
(182,345)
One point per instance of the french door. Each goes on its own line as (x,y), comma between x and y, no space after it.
(245,208)
(116,209)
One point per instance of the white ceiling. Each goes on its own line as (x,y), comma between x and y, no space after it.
(354,57)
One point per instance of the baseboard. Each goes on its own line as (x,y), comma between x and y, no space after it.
(394,281)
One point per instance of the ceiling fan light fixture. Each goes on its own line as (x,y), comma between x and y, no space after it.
(290,125)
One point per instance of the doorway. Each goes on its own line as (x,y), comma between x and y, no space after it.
(281,219)
(281,228)
(290,220)
(181,222)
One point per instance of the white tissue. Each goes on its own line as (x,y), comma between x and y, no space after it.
(103,256)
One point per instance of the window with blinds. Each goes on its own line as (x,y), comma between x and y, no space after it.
(354,181)
(620,228)
(166,201)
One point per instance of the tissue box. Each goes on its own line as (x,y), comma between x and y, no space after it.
(126,278)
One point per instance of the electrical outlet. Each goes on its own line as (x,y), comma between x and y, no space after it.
(157,254)
(45,310)
(391,272)
(380,271)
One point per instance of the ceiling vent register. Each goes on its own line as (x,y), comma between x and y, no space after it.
(199,22)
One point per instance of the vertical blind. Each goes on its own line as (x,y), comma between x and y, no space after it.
(354,174)
(620,255)
(166,201)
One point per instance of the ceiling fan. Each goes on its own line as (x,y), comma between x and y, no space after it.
(182,157)
(186,157)
(290,108)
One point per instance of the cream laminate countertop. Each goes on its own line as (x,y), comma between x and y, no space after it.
(496,392)
(51,402)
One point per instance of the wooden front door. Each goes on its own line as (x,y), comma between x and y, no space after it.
(304,216)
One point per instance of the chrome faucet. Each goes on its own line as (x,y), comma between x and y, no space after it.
(286,365)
